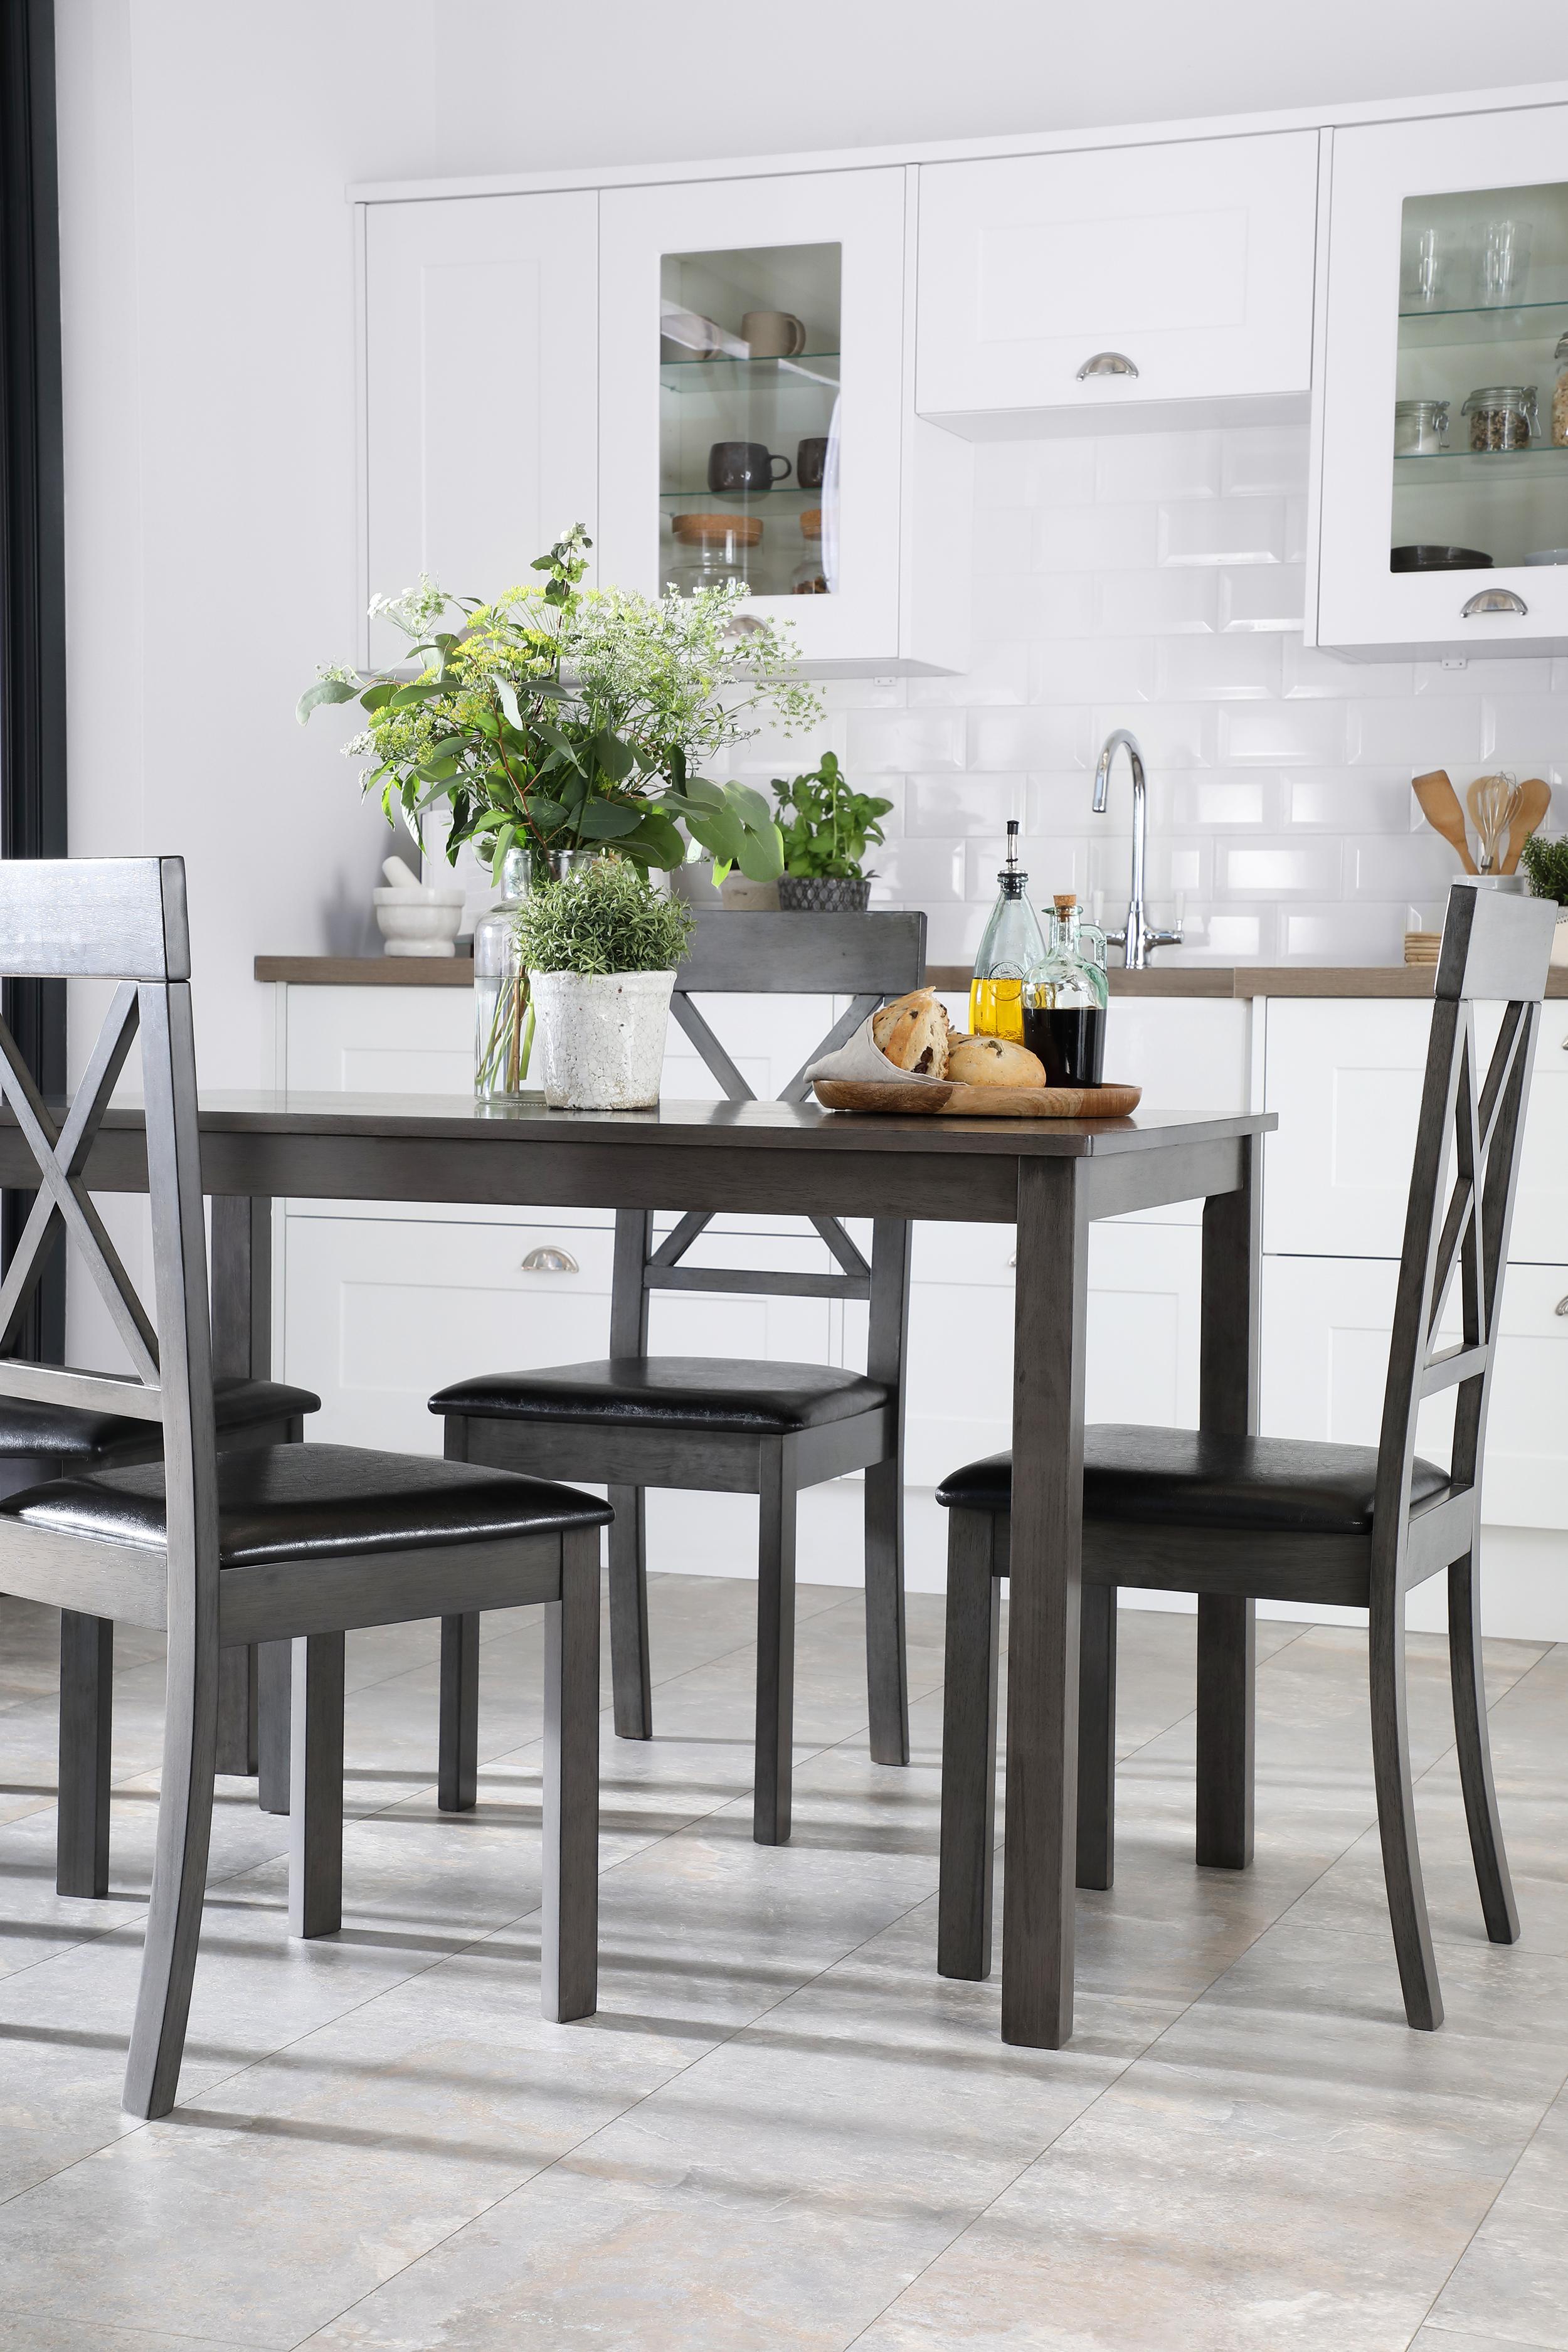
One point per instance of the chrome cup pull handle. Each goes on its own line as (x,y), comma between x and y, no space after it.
(550,1260)
(1107,363)
(1494,599)
(1561,1308)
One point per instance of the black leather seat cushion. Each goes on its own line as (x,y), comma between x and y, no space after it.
(732,1394)
(1196,1478)
(316,1502)
(49,1429)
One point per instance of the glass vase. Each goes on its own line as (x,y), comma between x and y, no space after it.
(503,1016)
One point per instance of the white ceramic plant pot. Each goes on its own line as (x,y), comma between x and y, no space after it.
(601,1037)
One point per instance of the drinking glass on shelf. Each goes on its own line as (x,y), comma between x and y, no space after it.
(1423,280)
(1504,260)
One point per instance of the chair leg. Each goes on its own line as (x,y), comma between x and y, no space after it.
(237,1710)
(775,1642)
(316,1789)
(1396,1815)
(274,1738)
(457,1768)
(887,1670)
(1497,1905)
(179,1877)
(87,1723)
(569,1939)
(969,1749)
(630,1668)
(1097,1737)
(1228,1675)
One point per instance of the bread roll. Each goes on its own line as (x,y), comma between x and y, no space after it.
(994,1062)
(913,1033)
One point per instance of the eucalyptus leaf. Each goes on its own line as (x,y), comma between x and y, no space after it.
(326,690)
(607,820)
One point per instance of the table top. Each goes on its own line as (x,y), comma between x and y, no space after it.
(764,1127)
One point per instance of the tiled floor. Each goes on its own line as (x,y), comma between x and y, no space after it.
(783,2129)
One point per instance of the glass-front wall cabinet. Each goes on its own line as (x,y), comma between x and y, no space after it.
(756,416)
(749,419)
(1445,489)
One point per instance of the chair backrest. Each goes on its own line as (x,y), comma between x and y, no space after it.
(1496,948)
(121,920)
(867,958)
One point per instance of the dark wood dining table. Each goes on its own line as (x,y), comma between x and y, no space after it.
(1052,1178)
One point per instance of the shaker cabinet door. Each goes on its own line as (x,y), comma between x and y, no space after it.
(1192,262)
(480,389)
(1447,264)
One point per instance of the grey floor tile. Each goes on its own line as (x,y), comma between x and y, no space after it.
(1514,2275)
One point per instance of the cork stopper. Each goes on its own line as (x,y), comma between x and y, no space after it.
(1064,901)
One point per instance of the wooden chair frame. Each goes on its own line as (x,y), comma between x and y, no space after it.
(1495,949)
(868,958)
(124,919)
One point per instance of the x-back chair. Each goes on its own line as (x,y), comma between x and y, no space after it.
(723,1426)
(1286,1520)
(272,1543)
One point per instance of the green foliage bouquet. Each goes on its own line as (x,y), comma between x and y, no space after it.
(560,718)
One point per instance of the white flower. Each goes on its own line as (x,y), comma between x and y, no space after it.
(416,610)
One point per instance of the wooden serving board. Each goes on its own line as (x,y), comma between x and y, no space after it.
(977,1102)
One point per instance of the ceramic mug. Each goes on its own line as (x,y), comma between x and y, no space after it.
(773,334)
(811,462)
(744,465)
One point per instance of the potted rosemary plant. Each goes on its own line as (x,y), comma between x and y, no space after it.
(1546,862)
(825,829)
(600,947)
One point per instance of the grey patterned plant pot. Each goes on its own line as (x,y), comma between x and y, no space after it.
(809,894)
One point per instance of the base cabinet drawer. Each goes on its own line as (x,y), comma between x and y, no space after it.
(1326,1323)
(1142,1346)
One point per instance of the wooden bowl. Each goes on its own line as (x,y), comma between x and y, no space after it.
(689,529)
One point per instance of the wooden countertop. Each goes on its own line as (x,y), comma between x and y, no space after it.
(1228,982)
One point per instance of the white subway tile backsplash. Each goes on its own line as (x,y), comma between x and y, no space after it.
(1157,604)
(1159,466)
(1155,581)
(1231,531)
(1264,461)
(1219,669)
(1259,596)
(1282,734)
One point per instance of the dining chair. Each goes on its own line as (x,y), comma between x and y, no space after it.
(723,1426)
(1295,1519)
(272,1543)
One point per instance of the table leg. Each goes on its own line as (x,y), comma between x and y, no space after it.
(1038,1899)
(242,1350)
(1227,1400)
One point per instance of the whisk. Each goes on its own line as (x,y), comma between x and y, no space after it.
(1493,803)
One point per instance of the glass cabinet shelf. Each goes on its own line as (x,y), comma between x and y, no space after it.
(738,501)
(1494,322)
(740,372)
(1454,466)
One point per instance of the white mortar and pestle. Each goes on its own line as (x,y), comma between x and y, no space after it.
(417,919)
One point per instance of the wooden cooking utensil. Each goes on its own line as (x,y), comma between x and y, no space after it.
(1534,800)
(1439,805)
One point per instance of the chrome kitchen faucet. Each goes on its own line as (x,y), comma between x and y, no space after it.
(1136,939)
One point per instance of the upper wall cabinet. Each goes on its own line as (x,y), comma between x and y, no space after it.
(1443,519)
(756,415)
(1136,287)
(481,379)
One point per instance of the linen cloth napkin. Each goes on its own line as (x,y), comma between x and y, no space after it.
(861,1057)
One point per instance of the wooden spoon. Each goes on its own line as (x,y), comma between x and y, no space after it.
(1534,800)
(1439,805)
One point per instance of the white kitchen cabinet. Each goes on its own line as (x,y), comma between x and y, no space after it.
(847,482)
(1143,1348)
(1344,1075)
(480,389)
(1434,293)
(1192,261)
(1326,1323)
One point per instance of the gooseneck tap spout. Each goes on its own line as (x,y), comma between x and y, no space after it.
(1136,938)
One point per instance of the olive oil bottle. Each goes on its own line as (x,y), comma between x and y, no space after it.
(1012,946)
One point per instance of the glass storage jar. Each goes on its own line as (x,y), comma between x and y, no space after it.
(808,578)
(1502,416)
(714,551)
(1420,428)
(1559,397)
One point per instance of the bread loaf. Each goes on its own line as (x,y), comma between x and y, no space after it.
(913,1033)
(994,1062)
